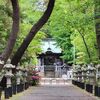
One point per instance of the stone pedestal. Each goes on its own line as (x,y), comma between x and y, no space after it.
(8,80)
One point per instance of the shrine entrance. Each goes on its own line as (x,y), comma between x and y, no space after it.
(49,61)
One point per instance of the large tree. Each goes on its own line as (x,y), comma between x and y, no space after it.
(36,27)
(97,24)
(13,35)
(14,31)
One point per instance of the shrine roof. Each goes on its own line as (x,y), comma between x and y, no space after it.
(50,43)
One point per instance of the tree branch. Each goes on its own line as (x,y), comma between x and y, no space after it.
(16,58)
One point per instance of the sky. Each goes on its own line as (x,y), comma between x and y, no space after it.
(50,44)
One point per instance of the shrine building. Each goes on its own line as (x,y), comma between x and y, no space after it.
(50,63)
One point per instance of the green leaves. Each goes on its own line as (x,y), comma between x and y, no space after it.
(5,23)
(69,18)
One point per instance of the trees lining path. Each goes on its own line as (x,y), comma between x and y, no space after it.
(55,92)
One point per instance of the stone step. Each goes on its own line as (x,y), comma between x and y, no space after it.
(53,81)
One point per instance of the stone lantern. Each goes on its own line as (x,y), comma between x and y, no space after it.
(79,75)
(91,74)
(18,75)
(79,72)
(25,75)
(75,75)
(8,72)
(21,73)
(84,70)
(98,74)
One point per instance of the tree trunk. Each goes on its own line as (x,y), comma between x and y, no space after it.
(97,24)
(16,58)
(85,46)
(88,53)
(13,35)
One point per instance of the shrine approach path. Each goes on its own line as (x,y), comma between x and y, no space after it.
(55,92)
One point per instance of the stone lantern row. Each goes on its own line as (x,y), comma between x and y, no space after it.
(87,73)
(8,67)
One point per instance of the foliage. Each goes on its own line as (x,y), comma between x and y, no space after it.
(5,22)
(68,20)
(72,19)
(35,77)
